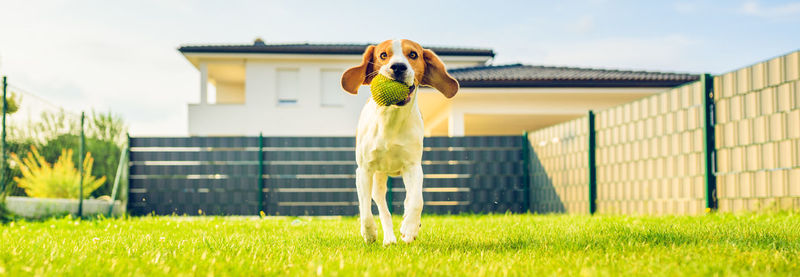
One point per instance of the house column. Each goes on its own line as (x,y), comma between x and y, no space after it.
(455,124)
(203,83)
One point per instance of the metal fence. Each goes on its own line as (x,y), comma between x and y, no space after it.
(730,142)
(50,151)
(315,176)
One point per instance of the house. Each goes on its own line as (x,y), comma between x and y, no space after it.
(294,90)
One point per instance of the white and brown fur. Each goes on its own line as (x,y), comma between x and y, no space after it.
(389,138)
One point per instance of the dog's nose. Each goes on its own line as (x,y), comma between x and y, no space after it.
(398,68)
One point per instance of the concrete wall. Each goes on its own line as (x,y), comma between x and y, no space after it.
(43,207)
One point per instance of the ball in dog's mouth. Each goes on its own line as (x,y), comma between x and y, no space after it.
(386,91)
(408,98)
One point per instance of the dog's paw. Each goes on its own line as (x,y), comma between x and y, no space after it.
(409,231)
(389,240)
(408,238)
(369,232)
(369,237)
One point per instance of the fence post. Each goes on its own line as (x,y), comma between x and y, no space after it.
(592,165)
(126,193)
(3,143)
(80,165)
(260,173)
(526,168)
(123,158)
(709,147)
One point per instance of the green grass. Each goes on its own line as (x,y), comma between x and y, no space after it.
(448,245)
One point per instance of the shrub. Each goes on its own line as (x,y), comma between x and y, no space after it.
(105,156)
(13,101)
(59,129)
(59,180)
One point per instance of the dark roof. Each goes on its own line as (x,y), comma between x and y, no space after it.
(259,47)
(519,75)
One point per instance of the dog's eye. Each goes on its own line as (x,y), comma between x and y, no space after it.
(383,56)
(412,55)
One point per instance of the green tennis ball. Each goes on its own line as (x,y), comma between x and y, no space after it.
(386,91)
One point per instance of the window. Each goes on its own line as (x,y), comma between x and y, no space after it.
(330,87)
(288,87)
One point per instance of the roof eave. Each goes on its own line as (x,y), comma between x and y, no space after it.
(571,83)
(262,50)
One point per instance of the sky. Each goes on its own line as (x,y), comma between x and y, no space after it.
(121,56)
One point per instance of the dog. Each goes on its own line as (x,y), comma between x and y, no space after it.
(389,138)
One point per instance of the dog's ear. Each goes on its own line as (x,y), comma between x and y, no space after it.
(436,75)
(361,74)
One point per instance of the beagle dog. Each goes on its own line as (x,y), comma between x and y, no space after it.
(389,138)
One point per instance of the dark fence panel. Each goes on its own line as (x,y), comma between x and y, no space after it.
(316,176)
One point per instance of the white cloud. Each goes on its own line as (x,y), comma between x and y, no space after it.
(686,7)
(671,52)
(582,25)
(78,64)
(755,8)
(121,56)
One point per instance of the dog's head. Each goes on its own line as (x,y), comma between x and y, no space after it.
(404,61)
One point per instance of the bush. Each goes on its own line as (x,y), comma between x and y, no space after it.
(61,180)
(58,130)
(105,154)
(21,147)
(13,101)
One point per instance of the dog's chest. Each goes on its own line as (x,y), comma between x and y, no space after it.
(389,139)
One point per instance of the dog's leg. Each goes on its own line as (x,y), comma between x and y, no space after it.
(412,178)
(364,187)
(379,195)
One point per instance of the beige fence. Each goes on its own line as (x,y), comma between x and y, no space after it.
(758,135)
(650,155)
(559,168)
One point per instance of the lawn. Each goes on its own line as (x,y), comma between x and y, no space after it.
(447,246)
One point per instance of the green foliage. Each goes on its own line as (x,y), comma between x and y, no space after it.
(493,245)
(13,101)
(57,130)
(18,146)
(106,155)
(107,127)
(5,215)
(54,124)
(59,180)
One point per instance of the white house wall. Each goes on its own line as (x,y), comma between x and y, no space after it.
(260,111)
(512,110)
(230,93)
